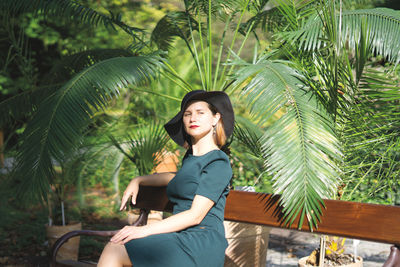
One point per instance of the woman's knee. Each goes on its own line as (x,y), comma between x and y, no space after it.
(114,253)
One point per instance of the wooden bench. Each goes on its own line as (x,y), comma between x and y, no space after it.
(378,223)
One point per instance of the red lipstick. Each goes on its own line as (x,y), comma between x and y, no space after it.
(193,126)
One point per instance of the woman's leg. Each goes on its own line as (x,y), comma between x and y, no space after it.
(114,255)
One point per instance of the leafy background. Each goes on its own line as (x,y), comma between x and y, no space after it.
(370,135)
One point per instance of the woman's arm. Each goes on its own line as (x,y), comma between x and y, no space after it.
(156,179)
(199,209)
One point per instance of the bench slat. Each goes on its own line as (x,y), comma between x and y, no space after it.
(379,223)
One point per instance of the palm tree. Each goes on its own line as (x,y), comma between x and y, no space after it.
(360,91)
(301,148)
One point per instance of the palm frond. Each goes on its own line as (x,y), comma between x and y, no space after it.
(250,139)
(262,13)
(56,127)
(66,9)
(295,11)
(258,5)
(300,148)
(218,7)
(308,37)
(372,137)
(332,82)
(69,65)
(144,147)
(269,20)
(15,107)
(174,24)
(383,26)
(23,104)
(376,117)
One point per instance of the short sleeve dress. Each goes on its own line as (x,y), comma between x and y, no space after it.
(207,175)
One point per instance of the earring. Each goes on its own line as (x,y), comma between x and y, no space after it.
(214,129)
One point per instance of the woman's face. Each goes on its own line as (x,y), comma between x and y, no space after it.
(198,119)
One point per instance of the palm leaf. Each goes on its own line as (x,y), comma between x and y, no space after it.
(383,26)
(69,65)
(57,126)
(24,104)
(300,148)
(372,136)
(264,14)
(144,147)
(171,25)
(269,20)
(332,82)
(250,139)
(295,11)
(66,9)
(218,7)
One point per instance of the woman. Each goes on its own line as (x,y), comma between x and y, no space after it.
(194,235)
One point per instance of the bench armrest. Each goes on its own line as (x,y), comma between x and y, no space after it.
(142,220)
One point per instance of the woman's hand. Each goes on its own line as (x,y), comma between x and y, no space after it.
(131,190)
(128,233)
(155,179)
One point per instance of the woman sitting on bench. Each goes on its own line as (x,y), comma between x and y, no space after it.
(194,235)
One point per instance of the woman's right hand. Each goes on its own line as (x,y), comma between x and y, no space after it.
(131,190)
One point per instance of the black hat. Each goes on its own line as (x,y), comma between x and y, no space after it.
(218,99)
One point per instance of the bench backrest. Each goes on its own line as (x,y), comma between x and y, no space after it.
(379,223)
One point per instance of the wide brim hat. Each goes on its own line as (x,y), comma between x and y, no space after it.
(218,99)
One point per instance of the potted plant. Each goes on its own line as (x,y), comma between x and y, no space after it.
(332,248)
(65,175)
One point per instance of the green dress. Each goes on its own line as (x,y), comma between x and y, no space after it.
(207,175)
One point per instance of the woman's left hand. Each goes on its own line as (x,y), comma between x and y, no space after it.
(128,233)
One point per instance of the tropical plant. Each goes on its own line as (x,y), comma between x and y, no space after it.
(65,174)
(312,92)
(144,147)
(246,153)
(350,82)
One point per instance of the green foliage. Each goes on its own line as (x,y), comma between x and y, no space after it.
(304,132)
(300,106)
(339,44)
(20,230)
(50,131)
(372,141)
(68,10)
(173,24)
(381,26)
(247,159)
(144,147)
